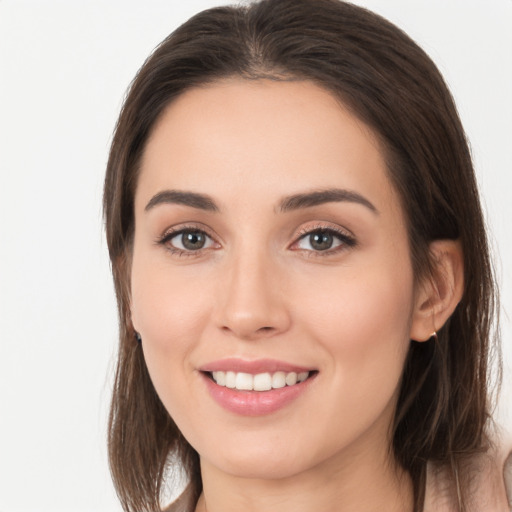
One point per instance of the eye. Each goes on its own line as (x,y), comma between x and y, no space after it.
(324,240)
(187,240)
(318,241)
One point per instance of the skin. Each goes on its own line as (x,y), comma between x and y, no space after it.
(259,289)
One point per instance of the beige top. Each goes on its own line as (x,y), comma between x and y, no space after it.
(491,477)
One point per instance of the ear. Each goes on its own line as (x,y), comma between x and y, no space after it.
(438,295)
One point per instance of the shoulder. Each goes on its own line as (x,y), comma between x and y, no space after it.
(488,478)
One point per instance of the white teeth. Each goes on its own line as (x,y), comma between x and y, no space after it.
(279,380)
(301,377)
(244,381)
(230,379)
(259,382)
(262,382)
(291,379)
(219,378)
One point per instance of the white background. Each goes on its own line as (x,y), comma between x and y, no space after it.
(64,68)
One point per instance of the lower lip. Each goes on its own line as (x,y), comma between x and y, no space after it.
(255,403)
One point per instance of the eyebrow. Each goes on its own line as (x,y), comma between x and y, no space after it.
(318,197)
(287,204)
(192,199)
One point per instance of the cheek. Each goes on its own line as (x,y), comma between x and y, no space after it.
(169,309)
(363,327)
(364,324)
(166,306)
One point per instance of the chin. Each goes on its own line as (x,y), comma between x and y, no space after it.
(261,468)
(263,460)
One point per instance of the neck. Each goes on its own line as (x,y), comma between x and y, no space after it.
(368,482)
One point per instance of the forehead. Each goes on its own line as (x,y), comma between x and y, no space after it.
(263,137)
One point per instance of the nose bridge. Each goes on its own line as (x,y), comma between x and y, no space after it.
(251,301)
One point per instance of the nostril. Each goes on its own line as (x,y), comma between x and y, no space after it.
(247,333)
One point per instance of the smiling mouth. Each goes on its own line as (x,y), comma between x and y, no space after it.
(241,381)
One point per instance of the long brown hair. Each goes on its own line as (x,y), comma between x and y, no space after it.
(386,80)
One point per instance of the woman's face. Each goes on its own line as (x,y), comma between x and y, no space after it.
(270,246)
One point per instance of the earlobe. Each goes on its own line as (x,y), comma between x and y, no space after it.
(438,295)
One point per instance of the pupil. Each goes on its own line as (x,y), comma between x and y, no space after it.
(321,241)
(193,240)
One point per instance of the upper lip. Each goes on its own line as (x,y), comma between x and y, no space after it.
(252,367)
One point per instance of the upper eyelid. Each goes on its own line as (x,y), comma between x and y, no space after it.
(323,226)
(347,238)
(192,226)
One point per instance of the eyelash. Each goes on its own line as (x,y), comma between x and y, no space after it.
(173,233)
(346,240)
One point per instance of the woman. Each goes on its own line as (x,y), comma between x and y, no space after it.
(302,271)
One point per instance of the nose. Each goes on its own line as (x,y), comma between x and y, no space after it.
(252,302)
